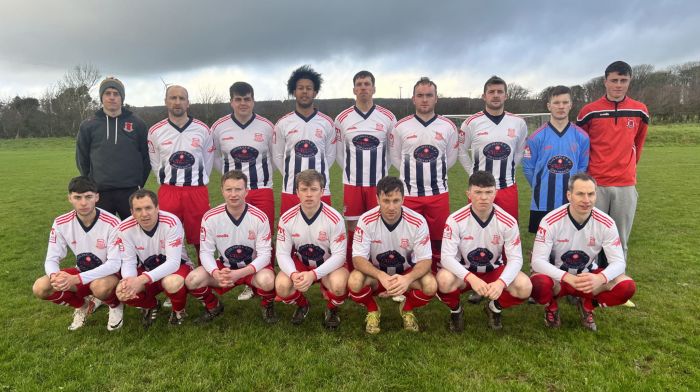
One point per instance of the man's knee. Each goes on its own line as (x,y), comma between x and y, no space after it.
(42,287)
(356,280)
(445,280)
(429,284)
(521,287)
(338,281)
(173,283)
(283,284)
(102,288)
(197,278)
(265,279)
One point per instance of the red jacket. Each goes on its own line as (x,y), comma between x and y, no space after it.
(617,131)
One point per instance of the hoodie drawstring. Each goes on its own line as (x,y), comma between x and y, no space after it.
(116,131)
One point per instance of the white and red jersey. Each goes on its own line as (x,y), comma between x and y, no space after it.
(471,245)
(363,144)
(423,151)
(563,246)
(495,148)
(239,242)
(95,248)
(394,248)
(319,241)
(246,147)
(181,156)
(300,143)
(160,252)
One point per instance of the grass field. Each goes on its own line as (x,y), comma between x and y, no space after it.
(653,347)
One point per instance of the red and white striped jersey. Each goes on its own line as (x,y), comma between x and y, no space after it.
(495,148)
(423,151)
(160,252)
(301,143)
(470,245)
(181,156)
(246,147)
(95,247)
(392,248)
(240,242)
(319,241)
(362,144)
(563,246)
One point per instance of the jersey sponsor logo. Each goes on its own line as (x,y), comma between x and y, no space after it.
(305,148)
(365,142)
(447,233)
(376,241)
(239,254)
(468,238)
(541,233)
(227,138)
(211,149)
(574,260)
(139,247)
(379,127)
(439,137)
(565,240)
(251,235)
(296,235)
(153,262)
(322,236)
(128,127)
(181,160)
(52,236)
(359,233)
(511,133)
(100,244)
(426,153)
(497,151)
(195,142)
(259,137)
(244,154)
(559,164)
(496,239)
(222,235)
(591,241)
(167,143)
(311,253)
(87,261)
(293,131)
(479,257)
(414,136)
(391,259)
(483,133)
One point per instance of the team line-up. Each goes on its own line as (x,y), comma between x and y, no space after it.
(396,237)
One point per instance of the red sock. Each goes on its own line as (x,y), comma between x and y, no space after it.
(415,299)
(67,298)
(267,297)
(619,294)
(206,296)
(542,289)
(332,300)
(506,300)
(178,299)
(365,298)
(450,299)
(143,301)
(296,298)
(112,301)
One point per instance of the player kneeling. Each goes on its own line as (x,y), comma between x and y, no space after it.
(392,256)
(565,254)
(153,259)
(315,232)
(91,234)
(474,239)
(241,234)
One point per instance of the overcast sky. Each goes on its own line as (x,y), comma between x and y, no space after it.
(208,45)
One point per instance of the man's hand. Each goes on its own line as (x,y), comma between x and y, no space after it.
(303,280)
(63,281)
(588,282)
(129,287)
(223,277)
(398,285)
(479,286)
(494,289)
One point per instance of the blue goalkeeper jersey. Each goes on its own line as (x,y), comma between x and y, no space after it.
(551,157)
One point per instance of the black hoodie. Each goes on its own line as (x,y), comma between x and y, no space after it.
(113,151)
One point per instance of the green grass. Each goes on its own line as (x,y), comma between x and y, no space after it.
(653,347)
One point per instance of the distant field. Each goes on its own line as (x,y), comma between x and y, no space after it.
(653,347)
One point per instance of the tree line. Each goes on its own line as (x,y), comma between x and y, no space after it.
(672,95)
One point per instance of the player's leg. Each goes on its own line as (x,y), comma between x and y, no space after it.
(507,199)
(196,204)
(264,283)
(289,295)
(334,287)
(622,209)
(516,293)
(436,209)
(616,292)
(199,284)
(104,289)
(449,289)
(175,289)
(361,289)
(287,201)
(420,292)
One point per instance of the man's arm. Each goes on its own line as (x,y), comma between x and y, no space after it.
(339,144)
(541,250)
(584,154)
(143,150)
(129,258)
(263,245)
(284,251)
(57,250)
(449,253)
(173,254)
(514,254)
(361,247)
(395,143)
(338,247)
(614,253)
(153,153)
(452,146)
(641,136)
(521,142)
(331,143)
(278,144)
(530,157)
(207,247)
(208,151)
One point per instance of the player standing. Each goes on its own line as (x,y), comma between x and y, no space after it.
(112,150)
(182,151)
(392,255)
(363,155)
(311,247)
(91,234)
(153,259)
(474,240)
(565,257)
(423,146)
(303,139)
(555,152)
(240,233)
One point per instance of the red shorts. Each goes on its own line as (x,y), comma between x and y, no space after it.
(265,201)
(81,290)
(288,200)
(487,277)
(507,198)
(189,203)
(246,280)
(155,288)
(357,200)
(435,209)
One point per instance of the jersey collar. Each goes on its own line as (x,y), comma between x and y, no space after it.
(365,115)
(395,225)
(243,126)
(426,123)
(307,119)
(88,228)
(238,221)
(310,221)
(573,221)
(481,223)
